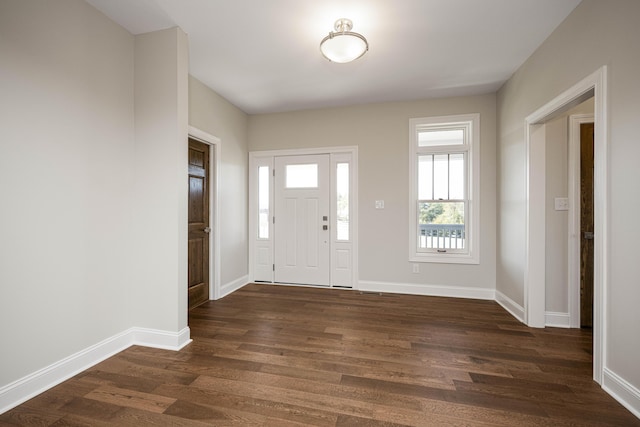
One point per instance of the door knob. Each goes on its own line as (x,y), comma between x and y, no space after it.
(207,229)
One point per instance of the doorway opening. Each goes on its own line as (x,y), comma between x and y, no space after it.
(594,86)
(204,251)
(581,220)
(199,226)
(586,225)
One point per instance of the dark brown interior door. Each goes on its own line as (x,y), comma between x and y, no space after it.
(586,225)
(199,229)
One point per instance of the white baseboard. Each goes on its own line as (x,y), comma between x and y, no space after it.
(35,383)
(23,389)
(622,391)
(233,286)
(429,290)
(557,320)
(510,305)
(161,339)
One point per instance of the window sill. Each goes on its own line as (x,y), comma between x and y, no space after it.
(451,258)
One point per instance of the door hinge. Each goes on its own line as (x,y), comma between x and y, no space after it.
(274,267)
(274,172)
(274,219)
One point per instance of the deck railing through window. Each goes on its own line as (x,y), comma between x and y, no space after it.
(442,236)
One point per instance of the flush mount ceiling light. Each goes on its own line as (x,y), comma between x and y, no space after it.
(343,45)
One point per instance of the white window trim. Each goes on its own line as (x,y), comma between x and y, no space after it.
(473,177)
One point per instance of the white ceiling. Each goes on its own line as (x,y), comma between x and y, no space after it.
(263,55)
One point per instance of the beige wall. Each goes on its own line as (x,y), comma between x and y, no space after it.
(213,114)
(596,33)
(66,169)
(381,132)
(93,186)
(160,189)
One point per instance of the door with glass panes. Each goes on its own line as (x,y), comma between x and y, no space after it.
(302,219)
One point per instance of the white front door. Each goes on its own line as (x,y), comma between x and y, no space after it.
(302,245)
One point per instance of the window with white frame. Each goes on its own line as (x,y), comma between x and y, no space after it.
(444,185)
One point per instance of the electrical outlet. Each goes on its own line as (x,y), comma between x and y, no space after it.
(416,268)
(379,204)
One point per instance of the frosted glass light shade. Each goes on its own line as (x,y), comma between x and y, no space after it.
(343,45)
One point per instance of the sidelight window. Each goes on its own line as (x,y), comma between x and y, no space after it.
(263,202)
(342,201)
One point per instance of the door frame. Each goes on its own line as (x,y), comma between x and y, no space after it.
(336,155)
(594,85)
(575,120)
(214,210)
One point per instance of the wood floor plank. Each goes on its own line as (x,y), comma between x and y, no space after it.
(98,377)
(193,411)
(30,417)
(60,395)
(226,401)
(130,399)
(288,396)
(301,356)
(351,421)
(91,408)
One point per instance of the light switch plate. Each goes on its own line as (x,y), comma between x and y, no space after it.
(561,203)
(379,204)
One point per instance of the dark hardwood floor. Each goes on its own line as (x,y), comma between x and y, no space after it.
(280,356)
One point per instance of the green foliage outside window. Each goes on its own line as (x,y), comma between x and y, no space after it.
(441,213)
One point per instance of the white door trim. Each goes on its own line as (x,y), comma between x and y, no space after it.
(262,158)
(214,207)
(534,289)
(575,121)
